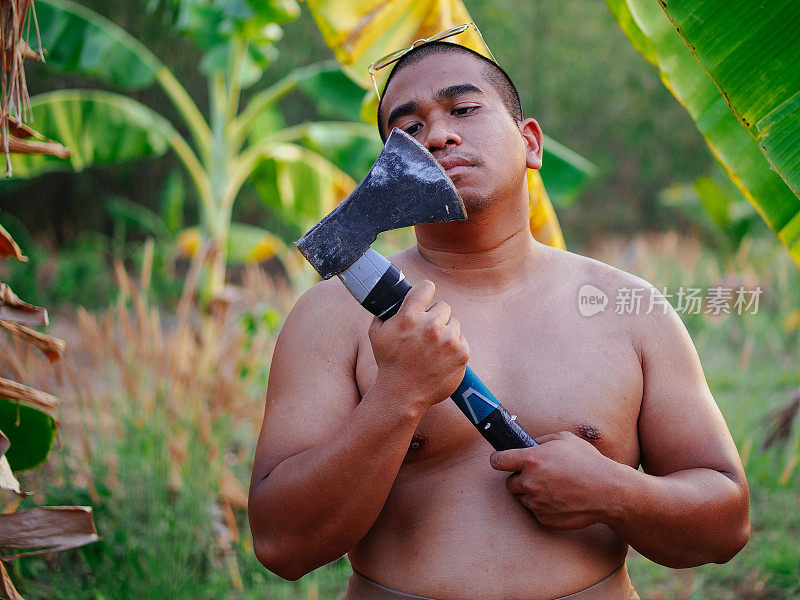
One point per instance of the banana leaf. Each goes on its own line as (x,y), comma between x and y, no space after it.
(753,61)
(748,54)
(298,184)
(247,244)
(82,42)
(30,431)
(351,146)
(250,244)
(99,127)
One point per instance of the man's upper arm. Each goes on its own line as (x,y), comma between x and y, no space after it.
(312,386)
(680,425)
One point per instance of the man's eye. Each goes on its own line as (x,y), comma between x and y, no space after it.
(464,110)
(412,129)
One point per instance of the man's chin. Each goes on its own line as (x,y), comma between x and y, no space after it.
(473,202)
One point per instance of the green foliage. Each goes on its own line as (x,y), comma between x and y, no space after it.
(564,172)
(753,63)
(737,65)
(144,524)
(80,273)
(30,431)
(99,127)
(237,40)
(83,274)
(81,41)
(216,27)
(718,209)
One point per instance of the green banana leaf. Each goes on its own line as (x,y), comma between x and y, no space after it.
(334,93)
(250,244)
(30,431)
(80,41)
(299,185)
(99,127)
(353,147)
(754,62)
(564,172)
(126,212)
(732,46)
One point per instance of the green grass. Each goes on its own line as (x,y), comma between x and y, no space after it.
(162,541)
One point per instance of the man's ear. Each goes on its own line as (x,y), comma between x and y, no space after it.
(532,134)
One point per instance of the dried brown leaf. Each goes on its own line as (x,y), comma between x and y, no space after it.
(53,528)
(8,247)
(14,309)
(23,131)
(7,588)
(29,396)
(27,52)
(50,346)
(18,146)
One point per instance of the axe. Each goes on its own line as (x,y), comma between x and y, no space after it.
(406,186)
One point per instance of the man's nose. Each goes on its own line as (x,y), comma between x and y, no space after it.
(440,135)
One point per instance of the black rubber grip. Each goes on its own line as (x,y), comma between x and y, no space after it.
(503,432)
(385,298)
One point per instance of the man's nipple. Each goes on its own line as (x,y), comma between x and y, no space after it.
(590,433)
(417,443)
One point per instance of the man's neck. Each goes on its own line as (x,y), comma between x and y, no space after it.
(490,252)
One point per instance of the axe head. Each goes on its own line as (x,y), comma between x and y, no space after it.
(406,186)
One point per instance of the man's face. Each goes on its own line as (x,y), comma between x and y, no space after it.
(445,102)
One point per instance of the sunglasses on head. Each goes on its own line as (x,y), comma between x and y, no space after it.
(393,57)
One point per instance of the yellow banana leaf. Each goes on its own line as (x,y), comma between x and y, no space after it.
(359,33)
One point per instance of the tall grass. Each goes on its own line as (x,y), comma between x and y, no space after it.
(159,418)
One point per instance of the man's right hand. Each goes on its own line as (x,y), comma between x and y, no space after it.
(420,352)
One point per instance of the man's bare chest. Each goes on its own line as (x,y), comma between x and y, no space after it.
(555,370)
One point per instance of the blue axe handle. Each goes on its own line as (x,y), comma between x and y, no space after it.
(380,288)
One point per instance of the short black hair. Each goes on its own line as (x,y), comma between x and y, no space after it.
(494,74)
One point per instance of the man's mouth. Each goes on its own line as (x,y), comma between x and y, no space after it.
(454,165)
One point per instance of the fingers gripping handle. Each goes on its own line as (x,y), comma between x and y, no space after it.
(380,288)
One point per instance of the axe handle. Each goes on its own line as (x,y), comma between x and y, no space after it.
(380,288)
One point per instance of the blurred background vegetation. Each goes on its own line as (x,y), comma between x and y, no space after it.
(163,455)
(577,73)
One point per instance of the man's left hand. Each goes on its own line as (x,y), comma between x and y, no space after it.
(564,482)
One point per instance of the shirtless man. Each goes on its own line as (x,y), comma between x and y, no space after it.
(361,451)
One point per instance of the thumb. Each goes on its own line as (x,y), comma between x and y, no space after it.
(419,297)
(509,460)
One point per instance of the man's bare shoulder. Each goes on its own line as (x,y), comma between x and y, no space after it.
(611,296)
(329,315)
(594,272)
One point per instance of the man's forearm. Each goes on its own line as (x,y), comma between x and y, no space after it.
(314,506)
(684,519)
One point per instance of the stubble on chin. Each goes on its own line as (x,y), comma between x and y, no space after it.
(474,202)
